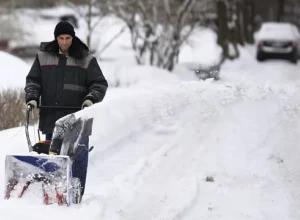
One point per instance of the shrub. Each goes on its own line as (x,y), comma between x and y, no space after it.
(13,109)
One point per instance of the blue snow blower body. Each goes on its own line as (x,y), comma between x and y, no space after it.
(49,163)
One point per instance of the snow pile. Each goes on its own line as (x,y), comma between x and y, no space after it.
(247,68)
(160,143)
(13,71)
(201,48)
(129,75)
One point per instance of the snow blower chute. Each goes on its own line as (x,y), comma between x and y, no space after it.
(48,176)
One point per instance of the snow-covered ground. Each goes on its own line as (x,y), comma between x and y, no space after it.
(13,71)
(158,136)
(154,148)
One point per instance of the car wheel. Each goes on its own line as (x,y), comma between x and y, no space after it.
(260,56)
(294,57)
(295,61)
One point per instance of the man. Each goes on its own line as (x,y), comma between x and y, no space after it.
(64,74)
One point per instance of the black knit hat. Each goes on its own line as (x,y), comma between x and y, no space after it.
(64,27)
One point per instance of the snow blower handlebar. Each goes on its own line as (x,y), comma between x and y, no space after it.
(60,107)
(29,108)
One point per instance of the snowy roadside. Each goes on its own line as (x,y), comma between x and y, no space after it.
(226,132)
(155,146)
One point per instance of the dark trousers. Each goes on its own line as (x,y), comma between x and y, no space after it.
(48,137)
(80,163)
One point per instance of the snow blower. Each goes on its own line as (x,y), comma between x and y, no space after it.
(48,166)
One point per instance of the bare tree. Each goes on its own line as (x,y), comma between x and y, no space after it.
(158,27)
(10,25)
(235,26)
(9,30)
(110,42)
(248,24)
(280,13)
(291,11)
(89,11)
(28,3)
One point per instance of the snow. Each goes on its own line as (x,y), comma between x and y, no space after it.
(159,135)
(154,148)
(201,48)
(128,75)
(277,31)
(14,71)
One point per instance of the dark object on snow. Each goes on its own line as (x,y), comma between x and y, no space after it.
(42,147)
(210,179)
(4,44)
(209,72)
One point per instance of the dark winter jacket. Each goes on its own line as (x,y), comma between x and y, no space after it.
(58,80)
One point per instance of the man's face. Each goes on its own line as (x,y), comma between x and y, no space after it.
(64,41)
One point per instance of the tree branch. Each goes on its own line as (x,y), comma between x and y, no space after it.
(111,40)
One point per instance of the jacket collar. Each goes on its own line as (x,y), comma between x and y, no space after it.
(77,50)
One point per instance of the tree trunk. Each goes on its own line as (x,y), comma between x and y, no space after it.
(248,22)
(222,29)
(89,22)
(280,12)
(250,26)
(239,24)
(234,34)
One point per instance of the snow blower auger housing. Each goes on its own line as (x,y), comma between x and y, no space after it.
(49,175)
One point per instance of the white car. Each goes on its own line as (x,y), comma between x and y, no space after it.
(277,40)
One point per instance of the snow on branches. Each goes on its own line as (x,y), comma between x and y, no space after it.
(158,27)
